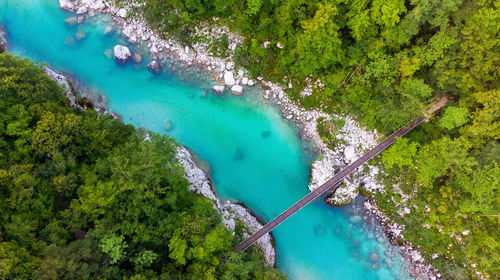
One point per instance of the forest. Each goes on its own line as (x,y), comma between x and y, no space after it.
(384,62)
(84,196)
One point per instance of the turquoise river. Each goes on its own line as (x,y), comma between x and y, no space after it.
(255,156)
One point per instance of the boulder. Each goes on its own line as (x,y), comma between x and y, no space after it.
(81,19)
(122,13)
(132,39)
(67,5)
(244,80)
(218,88)
(237,89)
(137,58)
(229,78)
(82,10)
(349,154)
(154,67)
(122,53)
(251,82)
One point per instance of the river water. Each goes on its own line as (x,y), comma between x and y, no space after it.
(254,155)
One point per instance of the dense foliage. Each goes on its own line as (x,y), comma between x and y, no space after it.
(384,62)
(83,196)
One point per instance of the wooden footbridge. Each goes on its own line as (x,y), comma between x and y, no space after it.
(333,183)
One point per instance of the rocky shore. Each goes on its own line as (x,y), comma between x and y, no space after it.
(231,212)
(352,139)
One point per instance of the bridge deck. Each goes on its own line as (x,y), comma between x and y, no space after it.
(333,182)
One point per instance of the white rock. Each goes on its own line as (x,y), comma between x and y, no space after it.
(122,53)
(266,44)
(229,78)
(66,4)
(251,82)
(218,88)
(244,81)
(82,10)
(322,170)
(230,65)
(122,13)
(186,49)
(132,39)
(237,89)
(279,45)
(349,154)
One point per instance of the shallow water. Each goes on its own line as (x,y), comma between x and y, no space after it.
(254,155)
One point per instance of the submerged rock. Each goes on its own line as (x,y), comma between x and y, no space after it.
(168,125)
(239,154)
(154,67)
(108,53)
(374,257)
(80,35)
(266,134)
(108,29)
(237,90)
(137,58)
(71,20)
(122,53)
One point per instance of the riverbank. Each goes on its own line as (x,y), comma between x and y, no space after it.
(354,140)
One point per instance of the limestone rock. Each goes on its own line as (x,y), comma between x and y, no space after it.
(122,53)
(218,88)
(344,194)
(349,154)
(154,67)
(82,10)
(229,78)
(322,170)
(244,81)
(67,5)
(237,89)
(122,13)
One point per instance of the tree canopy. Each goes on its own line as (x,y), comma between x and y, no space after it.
(83,196)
